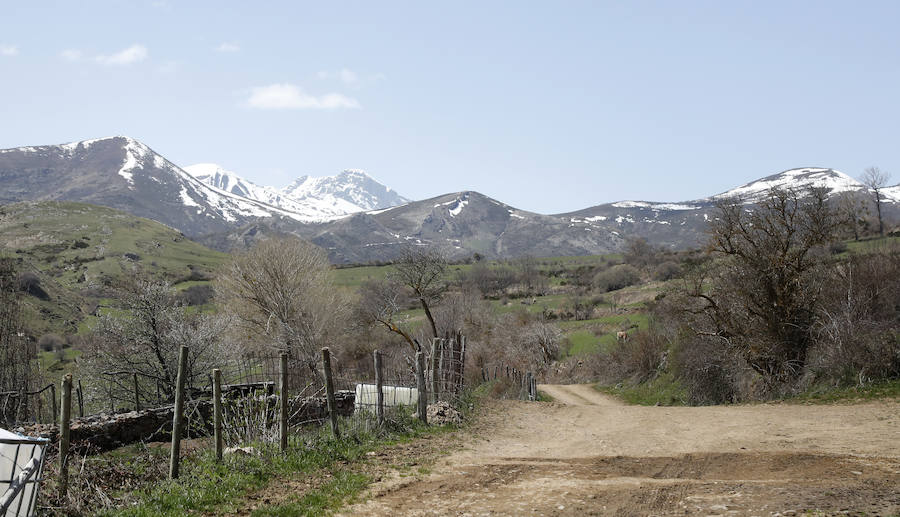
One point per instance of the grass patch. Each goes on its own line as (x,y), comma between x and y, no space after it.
(664,390)
(206,486)
(340,490)
(828,394)
(582,342)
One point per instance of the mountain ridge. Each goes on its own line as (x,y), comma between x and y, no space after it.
(225,211)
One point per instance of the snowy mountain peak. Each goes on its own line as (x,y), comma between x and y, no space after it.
(351,190)
(316,199)
(806,177)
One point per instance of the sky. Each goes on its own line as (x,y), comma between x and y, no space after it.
(547,106)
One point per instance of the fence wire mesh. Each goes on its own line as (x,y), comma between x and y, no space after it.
(252,394)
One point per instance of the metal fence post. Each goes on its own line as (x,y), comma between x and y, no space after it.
(80,394)
(54,418)
(329,391)
(178,416)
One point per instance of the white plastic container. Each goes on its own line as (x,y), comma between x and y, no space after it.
(21,466)
(366,395)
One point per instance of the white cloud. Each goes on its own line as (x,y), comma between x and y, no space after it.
(9,50)
(289,96)
(130,55)
(228,47)
(71,54)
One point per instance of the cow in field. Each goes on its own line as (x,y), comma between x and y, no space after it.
(622,336)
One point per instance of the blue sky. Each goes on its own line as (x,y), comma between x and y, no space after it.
(548,106)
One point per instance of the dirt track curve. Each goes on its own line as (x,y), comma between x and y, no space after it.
(587,454)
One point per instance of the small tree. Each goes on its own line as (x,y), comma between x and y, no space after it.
(145,337)
(852,207)
(280,292)
(422,269)
(379,302)
(876,180)
(761,298)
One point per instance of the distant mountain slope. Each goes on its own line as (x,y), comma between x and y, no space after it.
(683,224)
(122,173)
(228,212)
(461,223)
(315,199)
(78,250)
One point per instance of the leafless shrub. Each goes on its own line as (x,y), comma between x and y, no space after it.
(856,334)
(711,373)
(280,296)
(145,338)
(667,270)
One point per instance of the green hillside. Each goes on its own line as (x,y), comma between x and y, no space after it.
(77,251)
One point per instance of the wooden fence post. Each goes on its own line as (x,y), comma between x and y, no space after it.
(434,370)
(528,385)
(80,400)
(217,412)
(420,384)
(379,391)
(283,400)
(64,435)
(137,392)
(329,392)
(462,362)
(109,392)
(441,370)
(178,416)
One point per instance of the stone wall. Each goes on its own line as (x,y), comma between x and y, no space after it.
(106,431)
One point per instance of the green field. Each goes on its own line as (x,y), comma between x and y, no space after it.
(79,251)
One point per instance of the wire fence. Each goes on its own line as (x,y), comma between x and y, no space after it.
(274,397)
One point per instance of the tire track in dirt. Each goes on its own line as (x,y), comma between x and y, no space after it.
(587,454)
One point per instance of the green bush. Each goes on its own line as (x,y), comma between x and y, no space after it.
(617,277)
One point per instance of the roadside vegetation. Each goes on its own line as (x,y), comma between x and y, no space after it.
(795,300)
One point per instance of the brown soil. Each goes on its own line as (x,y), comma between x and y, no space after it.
(587,454)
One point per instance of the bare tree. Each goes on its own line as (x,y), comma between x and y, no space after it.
(280,292)
(530,275)
(852,207)
(761,298)
(145,337)
(876,180)
(423,269)
(380,301)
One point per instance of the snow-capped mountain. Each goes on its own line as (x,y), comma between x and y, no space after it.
(315,199)
(123,173)
(811,177)
(217,176)
(230,212)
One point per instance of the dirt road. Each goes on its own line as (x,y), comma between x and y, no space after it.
(587,454)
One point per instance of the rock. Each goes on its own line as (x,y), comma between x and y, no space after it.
(242,451)
(442,413)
